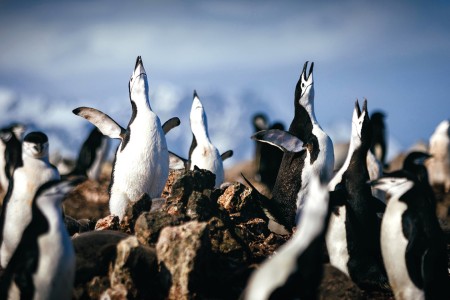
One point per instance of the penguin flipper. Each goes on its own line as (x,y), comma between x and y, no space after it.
(226,154)
(176,162)
(170,124)
(102,121)
(281,139)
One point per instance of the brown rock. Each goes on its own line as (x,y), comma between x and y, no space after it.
(149,225)
(183,251)
(133,211)
(110,222)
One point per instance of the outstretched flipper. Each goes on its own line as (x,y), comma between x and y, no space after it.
(281,139)
(102,121)
(226,154)
(170,124)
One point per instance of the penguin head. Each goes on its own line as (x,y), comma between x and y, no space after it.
(198,116)
(304,91)
(35,144)
(394,184)
(361,130)
(15,129)
(138,85)
(260,122)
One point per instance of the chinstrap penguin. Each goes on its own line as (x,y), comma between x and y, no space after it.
(296,169)
(141,164)
(91,156)
(267,158)
(412,242)
(203,153)
(43,264)
(10,151)
(295,271)
(353,233)
(379,140)
(34,171)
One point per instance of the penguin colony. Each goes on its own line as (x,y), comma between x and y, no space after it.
(380,229)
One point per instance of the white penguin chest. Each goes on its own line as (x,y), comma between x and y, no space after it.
(143,160)
(206,156)
(336,240)
(393,249)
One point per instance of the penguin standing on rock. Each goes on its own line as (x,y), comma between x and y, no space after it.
(412,242)
(296,169)
(141,164)
(298,264)
(34,171)
(43,264)
(353,234)
(203,153)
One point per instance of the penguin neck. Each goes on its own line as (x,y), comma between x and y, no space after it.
(200,131)
(28,159)
(303,122)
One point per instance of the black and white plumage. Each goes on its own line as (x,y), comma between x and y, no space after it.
(379,140)
(267,158)
(10,151)
(295,270)
(353,233)
(202,153)
(141,163)
(92,154)
(34,171)
(43,264)
(296,169)
(412,242)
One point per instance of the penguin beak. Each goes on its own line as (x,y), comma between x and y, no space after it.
(38,148)
(139,67)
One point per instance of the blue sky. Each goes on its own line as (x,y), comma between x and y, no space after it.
(64,54)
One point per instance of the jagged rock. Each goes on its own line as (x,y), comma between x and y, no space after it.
(110,222)
(173,176)
(184,252)
(149,225)
(135,271)
(133,211)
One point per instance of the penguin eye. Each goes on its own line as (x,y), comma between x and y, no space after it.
(303,85)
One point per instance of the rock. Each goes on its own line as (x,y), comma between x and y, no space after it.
(135,271)
(184,252)
(133,211)
(241,204)
(149,225)
(174,175)
(110,222)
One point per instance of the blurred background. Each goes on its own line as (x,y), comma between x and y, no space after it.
(242,57)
